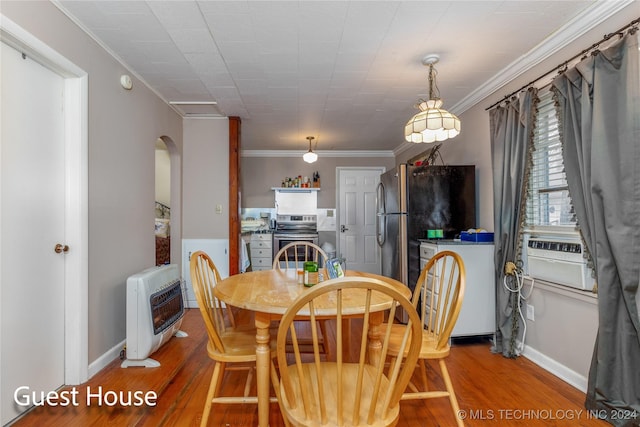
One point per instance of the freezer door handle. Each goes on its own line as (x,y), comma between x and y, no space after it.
(391,214)
(380,200)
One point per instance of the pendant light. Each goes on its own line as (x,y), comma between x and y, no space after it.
(432,123)
(310,156)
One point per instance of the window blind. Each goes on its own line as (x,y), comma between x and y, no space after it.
(548,201)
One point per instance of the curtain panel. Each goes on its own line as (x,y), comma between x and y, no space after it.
(599,113)
(511,126)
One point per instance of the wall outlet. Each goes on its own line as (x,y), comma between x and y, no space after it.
(219,209)
(531,313)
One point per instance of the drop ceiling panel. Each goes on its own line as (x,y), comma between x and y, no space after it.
(348,73)
(197,110)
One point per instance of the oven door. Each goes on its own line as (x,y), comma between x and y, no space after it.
(280,240)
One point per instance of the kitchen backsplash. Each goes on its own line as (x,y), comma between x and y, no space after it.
(257,219)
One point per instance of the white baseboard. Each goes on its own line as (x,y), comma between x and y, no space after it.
(559,370)
(108,357)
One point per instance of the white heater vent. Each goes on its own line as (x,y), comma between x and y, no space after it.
(559,261)
(155,308)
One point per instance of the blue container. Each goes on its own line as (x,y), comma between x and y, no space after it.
(476,237)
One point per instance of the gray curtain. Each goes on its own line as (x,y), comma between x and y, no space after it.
(511,135)
(600,126)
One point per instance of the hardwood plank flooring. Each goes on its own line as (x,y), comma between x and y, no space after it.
(491,390)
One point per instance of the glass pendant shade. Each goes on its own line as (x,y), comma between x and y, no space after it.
(310,157)
(431,124)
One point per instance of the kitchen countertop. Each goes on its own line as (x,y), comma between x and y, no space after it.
(453,242)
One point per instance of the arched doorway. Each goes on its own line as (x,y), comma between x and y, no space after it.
(167,198)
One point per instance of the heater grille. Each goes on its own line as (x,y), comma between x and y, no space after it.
(166,307)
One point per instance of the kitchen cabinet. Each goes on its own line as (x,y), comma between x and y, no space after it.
(478,313)
(261,249)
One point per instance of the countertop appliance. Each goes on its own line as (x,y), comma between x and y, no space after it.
(410,201)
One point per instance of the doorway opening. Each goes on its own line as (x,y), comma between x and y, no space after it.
(163,203)
(167,201)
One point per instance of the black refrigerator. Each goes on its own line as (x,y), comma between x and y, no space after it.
(414,199)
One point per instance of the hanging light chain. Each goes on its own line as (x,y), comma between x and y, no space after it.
(434,92)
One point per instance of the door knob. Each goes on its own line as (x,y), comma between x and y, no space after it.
(61,248)
(343,228)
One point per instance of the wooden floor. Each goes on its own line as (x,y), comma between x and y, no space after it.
(492,391)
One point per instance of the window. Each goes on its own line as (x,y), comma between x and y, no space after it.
(548,201)
(554,252)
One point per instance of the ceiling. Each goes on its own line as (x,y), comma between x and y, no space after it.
(346,72)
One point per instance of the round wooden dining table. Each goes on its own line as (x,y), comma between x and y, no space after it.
(269,293)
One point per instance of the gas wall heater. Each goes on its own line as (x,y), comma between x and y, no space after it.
(559,261)
(155,308)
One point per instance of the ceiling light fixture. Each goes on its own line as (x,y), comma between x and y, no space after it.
(432,123)
(310,156)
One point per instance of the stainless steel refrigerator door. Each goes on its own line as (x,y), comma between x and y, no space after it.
(392,223)
(390,253)
(390,183)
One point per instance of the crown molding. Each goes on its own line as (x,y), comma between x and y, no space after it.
(320,153)
(578,26)
(405,146)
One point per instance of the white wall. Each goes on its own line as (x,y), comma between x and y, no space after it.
(205,179)
(562,335)
(259,174)
(122,130)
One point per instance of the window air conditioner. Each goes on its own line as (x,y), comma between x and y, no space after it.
(559,261)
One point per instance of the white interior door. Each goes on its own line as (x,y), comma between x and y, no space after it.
(357,218)
(32,223)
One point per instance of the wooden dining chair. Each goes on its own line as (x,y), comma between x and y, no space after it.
(317,392)
(437,298)
(292,257)
(228,345)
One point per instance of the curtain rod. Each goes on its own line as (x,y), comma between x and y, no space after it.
(565,63)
